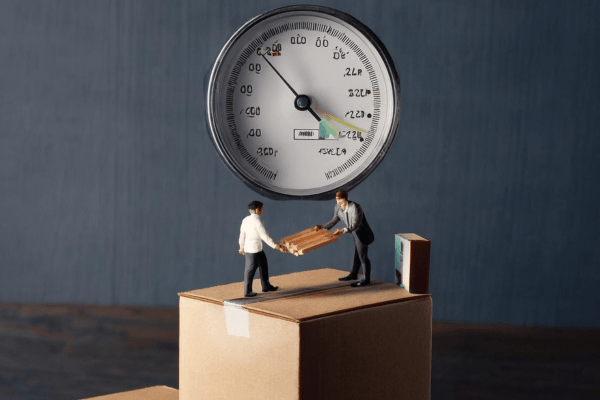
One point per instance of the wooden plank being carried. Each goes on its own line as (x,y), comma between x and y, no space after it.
(288,239)
(308,240)
(302,240)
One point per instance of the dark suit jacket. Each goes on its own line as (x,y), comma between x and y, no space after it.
(355,221)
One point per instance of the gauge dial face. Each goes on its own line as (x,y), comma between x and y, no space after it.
(303,101)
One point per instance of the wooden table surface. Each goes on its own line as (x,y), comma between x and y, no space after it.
(72,352)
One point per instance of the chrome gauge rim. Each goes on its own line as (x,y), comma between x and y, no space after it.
(342,89)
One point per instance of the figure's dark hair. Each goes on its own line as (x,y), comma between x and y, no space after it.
(341,194)
(255,205)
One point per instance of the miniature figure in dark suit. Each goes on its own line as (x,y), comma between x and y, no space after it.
(252,234)
(356,223)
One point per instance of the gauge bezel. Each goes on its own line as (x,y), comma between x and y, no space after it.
(231,160)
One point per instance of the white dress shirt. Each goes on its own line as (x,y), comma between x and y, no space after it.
(252,234)
(346,220)
(345,230)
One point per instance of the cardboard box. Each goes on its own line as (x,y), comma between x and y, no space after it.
(315,338)
(151,393)
(412,262)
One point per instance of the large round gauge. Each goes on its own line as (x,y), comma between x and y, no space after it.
(303,101)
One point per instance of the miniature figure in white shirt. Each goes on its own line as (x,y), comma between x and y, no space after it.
(252,234)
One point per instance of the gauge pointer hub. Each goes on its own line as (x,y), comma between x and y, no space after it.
(302,102)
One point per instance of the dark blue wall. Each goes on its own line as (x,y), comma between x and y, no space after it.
(111,191)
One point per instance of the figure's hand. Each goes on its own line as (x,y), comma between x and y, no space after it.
(281,248)
(242,252)
(338,232)
(318,227)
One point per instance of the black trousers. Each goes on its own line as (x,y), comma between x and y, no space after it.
(256,261)
(361,258)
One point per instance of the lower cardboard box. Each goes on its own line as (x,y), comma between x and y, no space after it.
(151,393)
(315,338)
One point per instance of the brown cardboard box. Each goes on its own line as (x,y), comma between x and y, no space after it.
(412,262)
(151,393)
(315,338)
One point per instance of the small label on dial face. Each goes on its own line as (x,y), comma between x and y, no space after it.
(309,134)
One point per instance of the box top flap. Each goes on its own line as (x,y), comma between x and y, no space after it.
(306,295)
(334,301)
(413,237)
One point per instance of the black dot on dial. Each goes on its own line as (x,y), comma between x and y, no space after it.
(368,115)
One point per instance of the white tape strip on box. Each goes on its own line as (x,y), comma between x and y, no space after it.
(237,319)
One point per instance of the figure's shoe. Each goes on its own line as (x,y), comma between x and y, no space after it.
(348,278)
(271,288)
(251,294)
(362,282)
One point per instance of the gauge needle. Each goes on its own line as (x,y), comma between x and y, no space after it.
(302,101)
(339,121)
